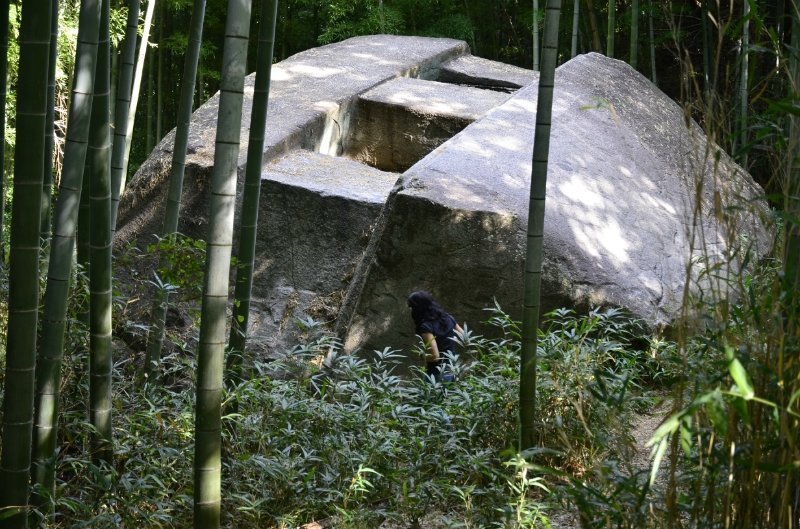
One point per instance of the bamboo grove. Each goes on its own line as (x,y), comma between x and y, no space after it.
(732,62)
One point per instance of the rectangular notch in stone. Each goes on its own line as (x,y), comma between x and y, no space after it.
(399,122)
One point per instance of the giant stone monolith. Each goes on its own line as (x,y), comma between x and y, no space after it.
(398,163)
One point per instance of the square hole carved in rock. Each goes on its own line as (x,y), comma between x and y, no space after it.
(396,124)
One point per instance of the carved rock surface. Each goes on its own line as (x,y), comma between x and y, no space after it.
(398,163)
(340,117)
(633,196)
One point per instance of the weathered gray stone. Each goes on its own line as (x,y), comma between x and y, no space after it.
(347,100)
(621,224)
(315,219)
(311,97)
(634,195)
(471,70)
(400,121)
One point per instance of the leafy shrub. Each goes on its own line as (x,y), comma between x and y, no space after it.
(181,264)
(322,434)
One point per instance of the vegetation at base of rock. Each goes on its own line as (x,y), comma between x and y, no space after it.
(336,435)
(181,261)
(349,438)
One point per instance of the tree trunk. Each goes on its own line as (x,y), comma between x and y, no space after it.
(160,74)
(124,85)
(200,92)
(23,296)
(100,364)
(706,29)
(535,35)
(791,191)
(575,19)
(4,8)
(596,41)
(533,259)
(50,133)
(634,33)
(743,83)
(135,89)
(48,368)
(252,191)
(208,424)
(155,338)
(653,76)
(149,121)
(612,26)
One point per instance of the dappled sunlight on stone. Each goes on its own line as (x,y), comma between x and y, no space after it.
(434,105)
(279,74)
(377,59)
(614,241)
(514,182)
(314,71)
(615,209)
(475,147)
(659,203)
(398,163)
(581,191)
(509,143)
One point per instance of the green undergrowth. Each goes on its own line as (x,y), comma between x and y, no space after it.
(323,435)
(320,434)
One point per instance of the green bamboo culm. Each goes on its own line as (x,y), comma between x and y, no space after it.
(62,246)
(743,82)
(612,26)
(23,297)
(83,237)
(4,8)
(791,192)
(575,18)
(155,339)
(135,88)
(50,133)
(100,361)
(706,30)
(124,87)
(634,57)
(252,192)
(653,76)
(208,423)
(534,254)
(536,51)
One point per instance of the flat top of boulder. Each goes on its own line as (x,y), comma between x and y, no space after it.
(330,176)
(308,92)
(434,98)
(316,82)
(469,69)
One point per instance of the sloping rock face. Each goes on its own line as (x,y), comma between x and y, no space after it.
(633,196)
(398,163)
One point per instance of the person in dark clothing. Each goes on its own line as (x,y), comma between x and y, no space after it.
(437,329)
